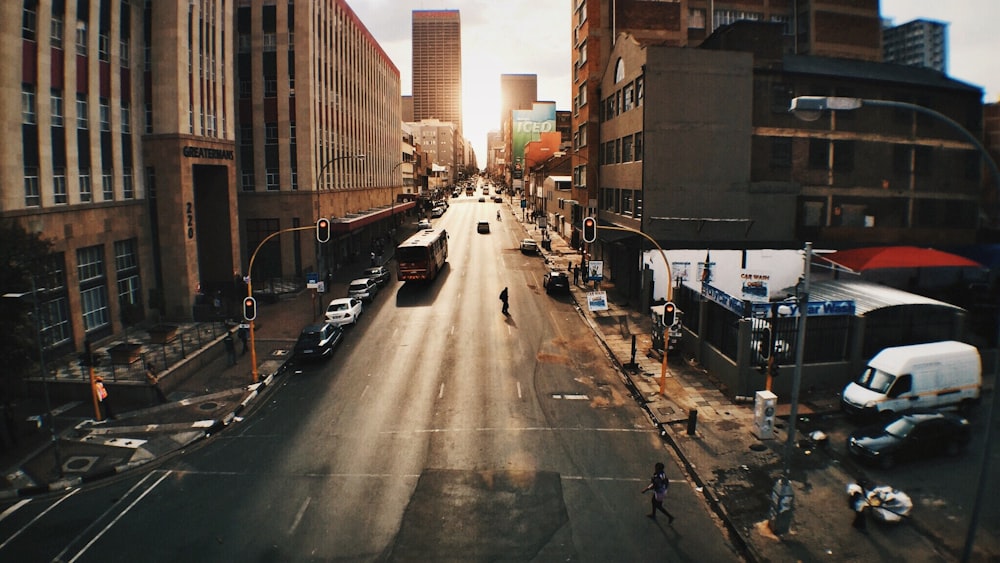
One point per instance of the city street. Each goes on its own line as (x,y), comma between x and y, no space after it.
(439,430)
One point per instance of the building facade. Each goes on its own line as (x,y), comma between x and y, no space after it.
(159,142)
(437,66)
(318,132)
(922,43)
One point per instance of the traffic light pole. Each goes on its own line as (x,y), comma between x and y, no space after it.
(670,291)
(253,345)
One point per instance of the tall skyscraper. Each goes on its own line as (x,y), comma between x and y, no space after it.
(437,66)
(921,43)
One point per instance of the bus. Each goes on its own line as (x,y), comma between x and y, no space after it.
(422,256)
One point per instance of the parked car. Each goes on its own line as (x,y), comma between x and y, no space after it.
(424,224)
(483,227)
(379,273)
(363,289)
(343,311)
(482,199)
(910,436)
(555,281)
(317,341)
(529,246)
(498,199)
(437,212)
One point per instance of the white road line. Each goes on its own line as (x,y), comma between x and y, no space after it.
(363,391)
(519,390)
(526,429)
(299,515)
(510,331)
(453,330)
(115,520)
(14,508)
(441,391)
(33,520)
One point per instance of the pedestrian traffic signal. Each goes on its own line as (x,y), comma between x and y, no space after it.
(589,229)
(669,314)
(249,308)
(323,230)
(765,343)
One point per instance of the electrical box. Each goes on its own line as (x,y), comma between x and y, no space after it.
(764,405)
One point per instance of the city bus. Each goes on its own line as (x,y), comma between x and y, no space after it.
(422,256)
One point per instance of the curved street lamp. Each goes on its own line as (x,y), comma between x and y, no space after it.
(319,176)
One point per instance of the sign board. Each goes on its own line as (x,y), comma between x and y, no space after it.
(754,286)
(597,300)
(524,203)
(595,270)
(312,280)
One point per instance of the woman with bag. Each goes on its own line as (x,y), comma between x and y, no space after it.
(658,483)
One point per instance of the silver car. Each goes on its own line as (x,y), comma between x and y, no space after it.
(363,289)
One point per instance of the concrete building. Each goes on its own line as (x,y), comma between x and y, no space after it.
(826,28)
(437,66)
(437,140)
(176,136)
(319,133)
(698,150)
(922,43)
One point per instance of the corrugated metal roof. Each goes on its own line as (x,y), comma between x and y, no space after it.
(868,296)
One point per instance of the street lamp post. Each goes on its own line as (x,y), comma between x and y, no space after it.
(41,365)
(319,179)
(810,108)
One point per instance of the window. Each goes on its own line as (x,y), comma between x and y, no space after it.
(270,87)
(639,90)
(29,21)
(126,118)
(127,272)
(270,41)
(637,146)
(59,186)
(272,177)
(28,114)
(627,149)
(56,103)
(581,96)
(627,202)
(103,47)
(128,190)
(244,43)
(247,181)
(81,39)
(93,297)
(56,32)
(31,196)
(82,119)
(781,153)
(85,188)
(150,182)
(582,136)
(90,263)
(843,156)
(628,98)
(295,178)
(149,118)
(94,305)
(246,87)
(819,154)
(291,131)
(123,54)
(105,115)
(609,153)
(618,151)
(270,133)
(107,185)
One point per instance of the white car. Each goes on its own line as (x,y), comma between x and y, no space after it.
(529,246)
(344,311)
(424,224)
(363,289)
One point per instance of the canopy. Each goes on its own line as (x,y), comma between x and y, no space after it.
(880,257)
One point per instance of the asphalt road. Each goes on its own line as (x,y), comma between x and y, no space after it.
(440,430)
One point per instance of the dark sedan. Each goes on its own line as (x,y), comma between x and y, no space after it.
(317,341)
(556,281)
(910,436)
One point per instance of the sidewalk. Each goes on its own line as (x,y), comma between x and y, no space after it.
(727,464)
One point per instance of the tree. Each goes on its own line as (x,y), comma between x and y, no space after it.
(22,255)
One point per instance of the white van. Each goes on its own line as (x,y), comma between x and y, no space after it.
(921,376)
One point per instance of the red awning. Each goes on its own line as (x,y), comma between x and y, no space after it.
(341,225)
(881,257)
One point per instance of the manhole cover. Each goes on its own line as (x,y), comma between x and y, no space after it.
(79,464)
(665,410)
(209,406)
(758,447)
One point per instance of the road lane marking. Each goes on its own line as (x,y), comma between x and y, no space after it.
(14,508)
(365,390)
(37,518)
(299,515)
(519,390)
(570,396)
(524,429)
(115,520)
(441,391)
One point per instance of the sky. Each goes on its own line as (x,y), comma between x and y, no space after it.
(534,37)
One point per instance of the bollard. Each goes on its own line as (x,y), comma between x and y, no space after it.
(692,421)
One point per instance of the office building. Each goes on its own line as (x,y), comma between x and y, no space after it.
(437,66)
(922,43)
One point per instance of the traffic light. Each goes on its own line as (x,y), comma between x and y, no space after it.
(589,229)
(249,308)
(765,343)
(669,313)
(323,230)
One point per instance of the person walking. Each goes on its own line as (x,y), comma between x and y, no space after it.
(576,274)
(243,333)
(103,397)
(230,348)
(154,381)
(658,483)
(504,299)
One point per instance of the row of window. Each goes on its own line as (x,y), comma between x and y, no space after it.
(622,201)
(33,196)
(29,32)
(29,112)
(626,149)
(626,98)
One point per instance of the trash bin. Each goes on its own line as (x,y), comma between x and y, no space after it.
(547,244)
